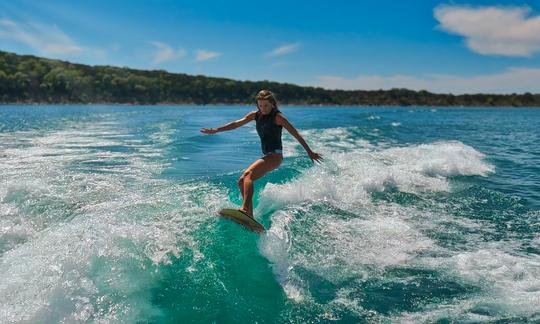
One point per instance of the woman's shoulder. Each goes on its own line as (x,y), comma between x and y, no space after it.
(277,112)
(279,118)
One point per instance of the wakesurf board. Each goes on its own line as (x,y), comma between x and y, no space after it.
(243,219)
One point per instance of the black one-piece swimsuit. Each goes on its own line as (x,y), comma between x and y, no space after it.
(269,132)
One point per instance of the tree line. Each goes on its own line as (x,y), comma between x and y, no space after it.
(31,79)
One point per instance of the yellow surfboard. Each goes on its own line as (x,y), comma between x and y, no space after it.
(242,219)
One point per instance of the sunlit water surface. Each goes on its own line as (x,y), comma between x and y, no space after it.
(108,214)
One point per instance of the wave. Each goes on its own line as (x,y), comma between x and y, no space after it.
(347,179)
(329,224)
(88,222)
(85,220)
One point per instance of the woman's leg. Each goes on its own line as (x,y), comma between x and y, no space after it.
(241,186)
(256,170)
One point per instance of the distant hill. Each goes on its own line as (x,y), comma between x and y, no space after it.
(31,79)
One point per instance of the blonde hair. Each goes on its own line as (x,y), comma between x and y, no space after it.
(266,95)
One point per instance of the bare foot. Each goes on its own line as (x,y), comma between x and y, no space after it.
(245,212)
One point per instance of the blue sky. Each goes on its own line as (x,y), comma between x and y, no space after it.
(458,47)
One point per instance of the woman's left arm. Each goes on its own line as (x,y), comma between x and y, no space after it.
(282,121)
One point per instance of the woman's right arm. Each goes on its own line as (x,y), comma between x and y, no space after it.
(232,125)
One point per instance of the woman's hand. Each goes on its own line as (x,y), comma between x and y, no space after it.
(315,157)
(209,130)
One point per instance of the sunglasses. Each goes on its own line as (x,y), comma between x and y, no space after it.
(267,95)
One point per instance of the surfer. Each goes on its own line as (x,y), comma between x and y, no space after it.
(269,123)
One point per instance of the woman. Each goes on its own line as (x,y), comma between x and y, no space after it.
(269,123)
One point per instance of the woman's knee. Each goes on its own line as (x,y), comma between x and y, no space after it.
(241,181)
(248,175)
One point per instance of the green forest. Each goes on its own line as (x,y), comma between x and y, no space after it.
(31,79)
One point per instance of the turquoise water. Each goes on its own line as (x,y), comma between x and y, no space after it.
(107,214)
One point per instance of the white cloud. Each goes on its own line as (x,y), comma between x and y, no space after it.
(279,64)
(166,53)
(115,47)
(282,50)
(7,22)
(45,39)
(100,53)
(203,55)
(511,80)
(508,31)
(62,49)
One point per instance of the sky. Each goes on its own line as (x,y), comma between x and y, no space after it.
(439,46)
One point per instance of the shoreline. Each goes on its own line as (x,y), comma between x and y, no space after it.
(246,104)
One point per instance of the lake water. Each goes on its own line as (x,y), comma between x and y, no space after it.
(107,214)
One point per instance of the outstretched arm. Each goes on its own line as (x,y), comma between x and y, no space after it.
(232,125)
(281,120)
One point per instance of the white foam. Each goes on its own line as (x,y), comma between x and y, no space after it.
(445,158)
(275,246)
(358,236)
(448,158)
(347,179)
(54,268)
(335,140)
(382,241)
(512,278)
(334,247)
(509,281)
(86,255)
